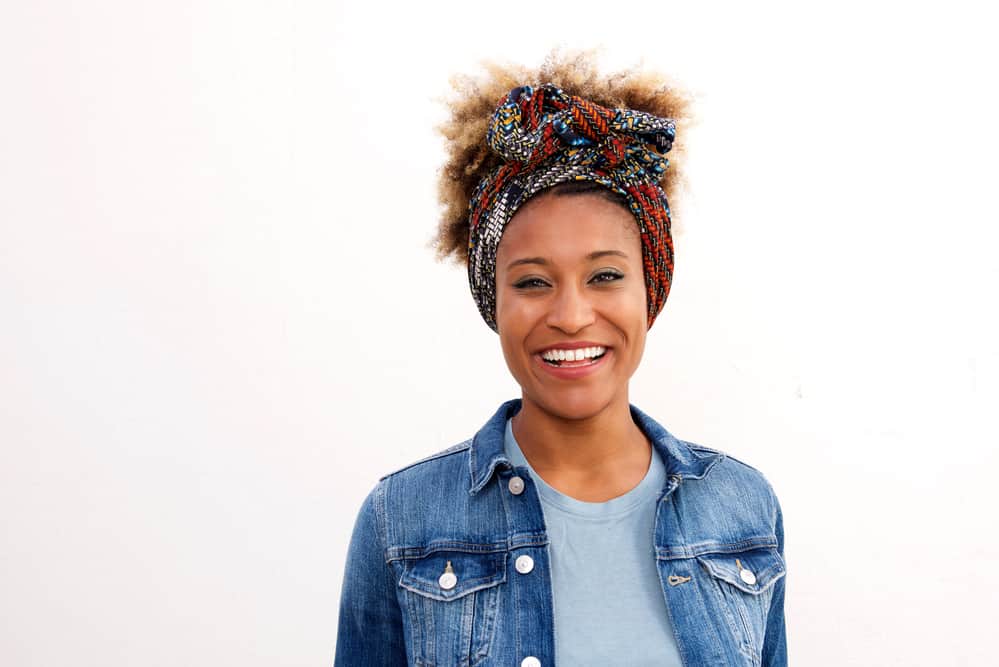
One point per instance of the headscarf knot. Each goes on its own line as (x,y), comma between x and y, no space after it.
(531,125)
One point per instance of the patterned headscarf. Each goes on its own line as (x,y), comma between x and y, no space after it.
(547,137)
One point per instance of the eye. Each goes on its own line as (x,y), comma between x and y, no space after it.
(530,283)
(607,276)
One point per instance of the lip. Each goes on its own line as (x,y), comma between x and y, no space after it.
(572,372)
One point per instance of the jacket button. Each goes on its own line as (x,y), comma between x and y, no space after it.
(448,580)
(524,564)
(516,485)
(530,661)
(745,574)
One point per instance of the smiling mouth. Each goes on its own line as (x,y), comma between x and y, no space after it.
(574,358)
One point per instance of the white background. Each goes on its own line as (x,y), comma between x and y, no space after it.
(221,322)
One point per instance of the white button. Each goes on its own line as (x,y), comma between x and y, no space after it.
(747,576)
(524,564)
(448,581)
(516,485)
(530,661)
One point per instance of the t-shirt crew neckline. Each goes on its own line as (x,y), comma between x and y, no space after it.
(646,489)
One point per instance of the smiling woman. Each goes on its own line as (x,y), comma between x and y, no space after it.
(569,277)
(572,529)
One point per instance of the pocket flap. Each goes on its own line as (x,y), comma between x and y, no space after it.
(472,572)
(751,571)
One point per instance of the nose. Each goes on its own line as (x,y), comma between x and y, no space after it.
(571,310)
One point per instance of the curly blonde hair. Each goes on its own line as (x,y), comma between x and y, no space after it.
(471,107)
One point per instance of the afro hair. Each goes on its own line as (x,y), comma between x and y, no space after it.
(474,99)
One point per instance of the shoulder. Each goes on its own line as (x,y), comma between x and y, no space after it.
(437,481)
(709,470)
(421,478)
(735,483)
(728,466)
(454,455)
(737,469)
(426,505)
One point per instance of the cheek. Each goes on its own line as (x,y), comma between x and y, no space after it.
(516,312)
(509,324)
(633,319)
(637,304)
(504,320)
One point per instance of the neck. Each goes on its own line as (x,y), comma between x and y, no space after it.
(592,458)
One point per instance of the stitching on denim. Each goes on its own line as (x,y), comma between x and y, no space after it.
(416,629)
(471,464)
(418,552)
(722,599)
(472,586)
(489,602)
(704,548)
(467,629)
(453,449)
(381,519)
(513,587)
(748,644)
(428,611)
(766,579)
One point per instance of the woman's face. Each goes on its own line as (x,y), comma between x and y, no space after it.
(570,302)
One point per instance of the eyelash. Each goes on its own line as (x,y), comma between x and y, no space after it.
(613,276)
(532,283)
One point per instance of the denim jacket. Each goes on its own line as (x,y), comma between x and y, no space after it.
(718,548)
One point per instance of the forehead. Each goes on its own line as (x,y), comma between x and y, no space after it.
(569,227)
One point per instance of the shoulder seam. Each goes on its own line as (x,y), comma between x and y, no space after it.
(743,463)
(453,449)
(762,477)
(381,520)
(725,455)
(703,448)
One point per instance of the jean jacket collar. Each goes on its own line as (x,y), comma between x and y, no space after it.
(681,460)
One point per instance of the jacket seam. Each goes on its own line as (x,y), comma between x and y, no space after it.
(381,520)
(453,449)
(417,552)
(704,548)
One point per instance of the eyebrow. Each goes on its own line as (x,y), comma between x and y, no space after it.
(544,262)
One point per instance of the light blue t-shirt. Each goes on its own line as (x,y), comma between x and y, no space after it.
(609,605)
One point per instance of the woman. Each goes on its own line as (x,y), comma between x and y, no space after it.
(572,529)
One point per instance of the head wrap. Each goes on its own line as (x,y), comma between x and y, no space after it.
(547,137)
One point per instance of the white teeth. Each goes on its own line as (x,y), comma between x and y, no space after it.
(573,355)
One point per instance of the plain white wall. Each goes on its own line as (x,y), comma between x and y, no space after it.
(221,323)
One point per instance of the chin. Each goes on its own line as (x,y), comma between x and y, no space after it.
(572,404)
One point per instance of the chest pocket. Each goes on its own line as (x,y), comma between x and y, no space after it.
(451,620)
(743,584)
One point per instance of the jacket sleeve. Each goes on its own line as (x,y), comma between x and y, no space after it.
(775,640)
(369,633)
